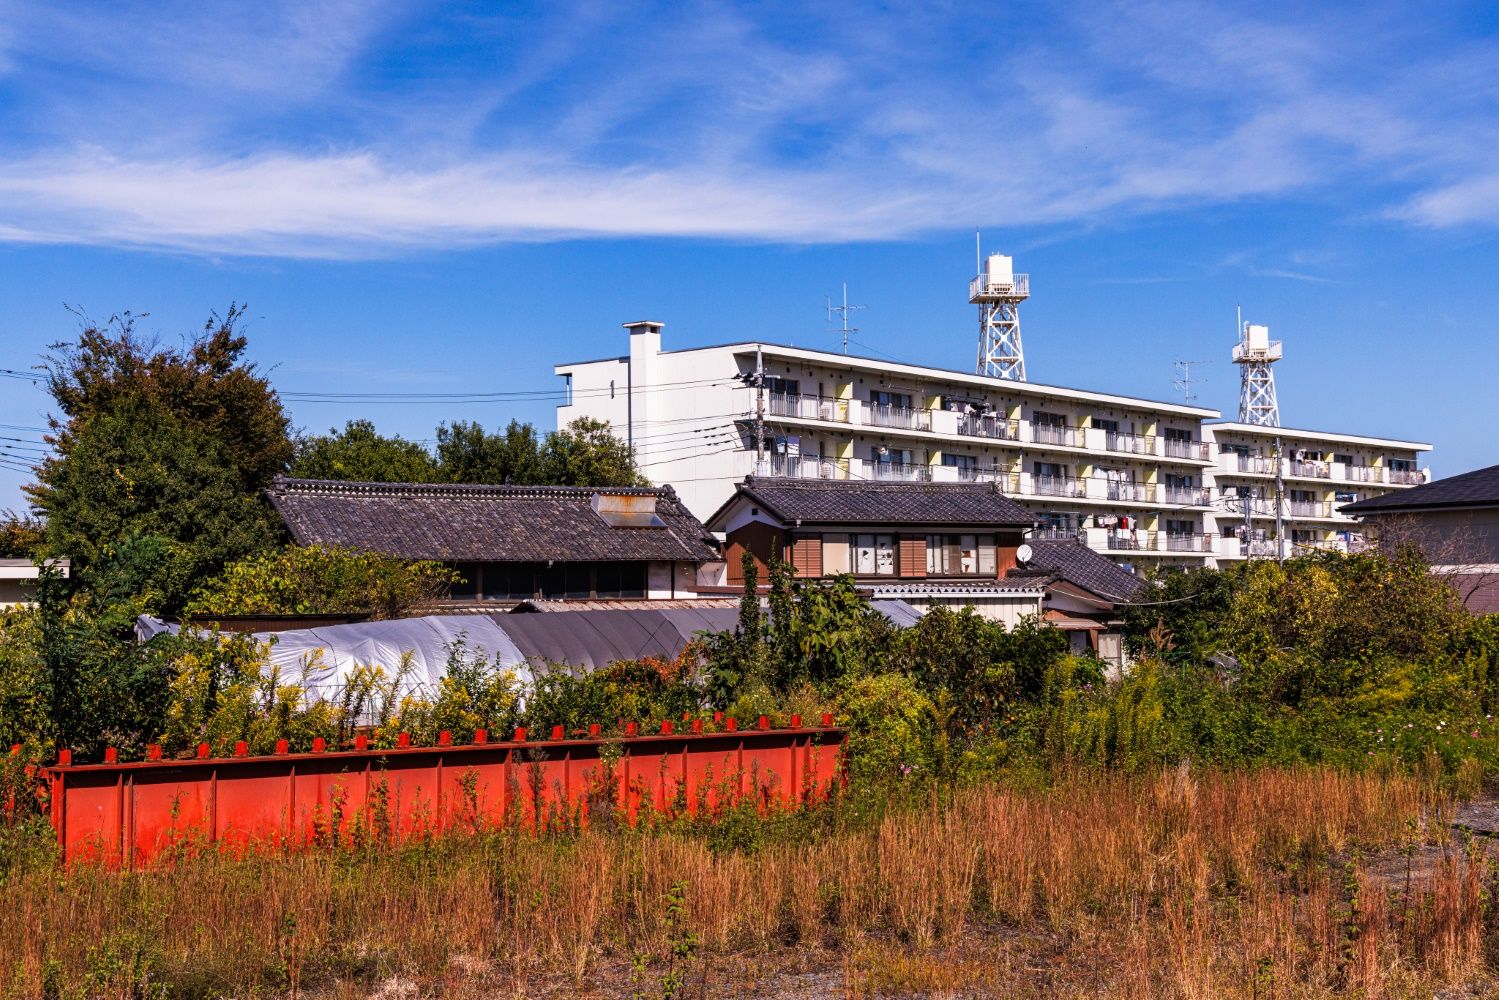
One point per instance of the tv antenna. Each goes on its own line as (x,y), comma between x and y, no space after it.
(843,312)
(1184,380)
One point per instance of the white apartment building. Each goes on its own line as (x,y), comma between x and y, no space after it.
(1145,481)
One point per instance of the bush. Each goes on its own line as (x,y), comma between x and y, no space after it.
(891,729)
(322,580)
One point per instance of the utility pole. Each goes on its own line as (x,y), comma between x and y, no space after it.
(1280,486)
(759,409)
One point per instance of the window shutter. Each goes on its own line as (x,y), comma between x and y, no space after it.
(913,555)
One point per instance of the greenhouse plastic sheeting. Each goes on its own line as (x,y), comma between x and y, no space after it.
(322,658)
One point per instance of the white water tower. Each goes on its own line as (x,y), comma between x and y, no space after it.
(998,291)
(1255,353)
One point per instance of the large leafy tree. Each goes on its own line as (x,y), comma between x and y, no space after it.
(20,535)
(359,453)
(470,454)
(586,453)
(149,441)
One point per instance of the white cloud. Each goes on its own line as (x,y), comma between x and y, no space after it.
(267,136)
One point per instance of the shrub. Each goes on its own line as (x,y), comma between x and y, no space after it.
(891,728)
(311,580)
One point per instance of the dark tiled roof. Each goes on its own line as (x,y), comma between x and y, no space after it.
(845,502)
(1478,488)
(483,523)
(1075,563)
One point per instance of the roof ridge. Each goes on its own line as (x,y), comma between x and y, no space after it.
(333,487)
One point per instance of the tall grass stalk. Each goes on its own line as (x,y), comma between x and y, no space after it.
(1179,884)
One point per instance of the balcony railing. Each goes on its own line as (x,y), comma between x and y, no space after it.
(1048,533)
(1310,508)
(1053,434)
(1019,285)
(1129,444)
(1363,473)
(1312,470)
(780,404)
(1133,492)
(1257,548)
(905,472)
(989,426)
(981,474)
(1407,477)
(802,467)
(1188,496)
(1177,448)
(1128,541)
(903,417)
(1259,464)
(1058,486)
(1188,542)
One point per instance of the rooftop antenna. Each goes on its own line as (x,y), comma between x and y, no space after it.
(1184,380)
(998,291)
(1254,354)
(843,312)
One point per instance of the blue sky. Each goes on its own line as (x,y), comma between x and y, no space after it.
(447,199)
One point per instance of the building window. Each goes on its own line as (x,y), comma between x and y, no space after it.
(835,555)
(960,555)
(893,400)
(466,588)
(874,555)
(1041,419)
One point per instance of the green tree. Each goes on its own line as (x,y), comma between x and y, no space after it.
(586,453)
(316,580)
(172,443)
(99,686)
(359,453)
(467,453)
(21,535)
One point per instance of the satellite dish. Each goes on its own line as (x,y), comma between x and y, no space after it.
(1025,553)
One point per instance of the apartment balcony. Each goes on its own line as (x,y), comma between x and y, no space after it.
(1257,548)
(779,404)
(1058,486)
(1259,465)
(989,426)
(1055,534)
(1310,470)
(1129,541)
(1363,474)
(981,474)
(1310,508)
(1196,451)
(801,467)
(1129,444)
(1188,542)
(1069,437)
(906,418)
(1257,506)
(1407,477)
(1128,492)
(899,472)
(1188,496)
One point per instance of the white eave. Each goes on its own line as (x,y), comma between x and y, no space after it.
(1298,434)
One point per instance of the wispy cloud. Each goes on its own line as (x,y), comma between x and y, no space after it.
(337,130)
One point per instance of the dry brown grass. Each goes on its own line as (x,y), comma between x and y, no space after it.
(1180,885)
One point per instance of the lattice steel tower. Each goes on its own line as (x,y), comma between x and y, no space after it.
(1255,353)
(998,292)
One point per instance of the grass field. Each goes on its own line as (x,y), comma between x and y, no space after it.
(1275,883)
